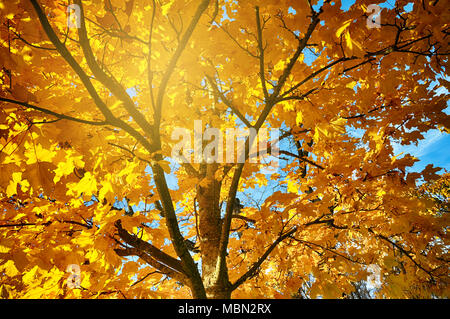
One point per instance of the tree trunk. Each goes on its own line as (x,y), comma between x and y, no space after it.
(210,227)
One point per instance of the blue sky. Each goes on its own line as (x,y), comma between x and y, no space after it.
(434,149)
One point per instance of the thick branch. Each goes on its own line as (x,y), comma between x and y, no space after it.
(189,266)
(148,248)
(154,263)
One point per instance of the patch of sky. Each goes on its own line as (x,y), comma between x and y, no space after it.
(390,4)
(345,5)
(225,15)
(309,56)
(318,5)
(132,91)
(433,149)
(409,7)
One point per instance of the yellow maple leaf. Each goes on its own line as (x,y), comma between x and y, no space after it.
(106,189)
(87,185)
(30,276)
(343,27)
(36,153)
(12,187)
(348,40)
(292,186)
(165,8)
(9,268)
(64,168)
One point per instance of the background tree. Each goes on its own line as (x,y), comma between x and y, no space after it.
(86,121)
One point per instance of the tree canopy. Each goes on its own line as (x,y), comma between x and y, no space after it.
(94,204)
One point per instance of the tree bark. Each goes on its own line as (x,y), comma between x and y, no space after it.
(209,227)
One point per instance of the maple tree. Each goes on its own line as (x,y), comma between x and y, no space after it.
(86,117)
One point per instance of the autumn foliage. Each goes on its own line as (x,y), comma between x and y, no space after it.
(87,179)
